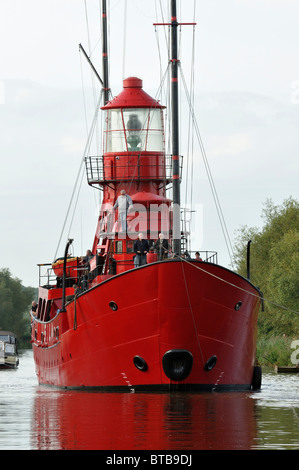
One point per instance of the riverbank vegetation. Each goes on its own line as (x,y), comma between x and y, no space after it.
(15,302)
(274,268)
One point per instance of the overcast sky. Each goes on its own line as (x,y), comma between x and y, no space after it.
(247,106)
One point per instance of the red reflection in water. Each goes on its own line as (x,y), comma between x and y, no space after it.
(82,420)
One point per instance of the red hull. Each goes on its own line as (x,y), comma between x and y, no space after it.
(199,311)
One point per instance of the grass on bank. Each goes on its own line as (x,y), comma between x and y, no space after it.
(277,350)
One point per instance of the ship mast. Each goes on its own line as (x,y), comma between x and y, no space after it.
(175,132)
(105,81)
(106,88)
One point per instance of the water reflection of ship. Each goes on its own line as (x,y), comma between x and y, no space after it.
(82,420)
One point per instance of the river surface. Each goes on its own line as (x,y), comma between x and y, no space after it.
(38,418)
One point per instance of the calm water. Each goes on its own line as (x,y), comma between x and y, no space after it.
(33,417)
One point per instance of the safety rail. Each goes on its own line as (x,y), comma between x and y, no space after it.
(49,279)
(207,256)
(135,167)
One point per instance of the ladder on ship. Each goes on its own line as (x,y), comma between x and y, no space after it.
(103,254)
(185,228)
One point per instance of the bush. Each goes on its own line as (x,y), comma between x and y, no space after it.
(15,303)
(274,267)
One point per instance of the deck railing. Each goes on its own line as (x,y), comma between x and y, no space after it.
(48,278)
(124,168)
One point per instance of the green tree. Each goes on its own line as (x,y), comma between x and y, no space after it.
(274,265)
(15,300)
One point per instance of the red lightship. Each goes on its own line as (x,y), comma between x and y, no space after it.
(170,324)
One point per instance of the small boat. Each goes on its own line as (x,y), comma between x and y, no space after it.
(9,358)
(71,267)
(286,369)
(170,323)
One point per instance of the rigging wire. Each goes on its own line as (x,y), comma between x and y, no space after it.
(195,128)
(90,52)
(237,287)
(124,39)
(190,151)
(166,30)
(209,174)
(109,45)
(76,203)
(192,315)
(158,43)
(83,92)
(87,147)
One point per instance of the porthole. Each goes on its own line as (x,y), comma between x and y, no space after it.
(140,363)
(238,305)
(113,306)
(210,364)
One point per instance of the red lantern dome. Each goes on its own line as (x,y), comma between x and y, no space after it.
(133,96)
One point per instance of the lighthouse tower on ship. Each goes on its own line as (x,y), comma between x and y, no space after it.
(134,163)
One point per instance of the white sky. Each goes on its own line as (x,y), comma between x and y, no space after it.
(247,105)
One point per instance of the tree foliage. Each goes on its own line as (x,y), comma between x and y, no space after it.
(274,264)
(15,300)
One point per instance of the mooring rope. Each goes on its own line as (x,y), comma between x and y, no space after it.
(192,315)
(238,287)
